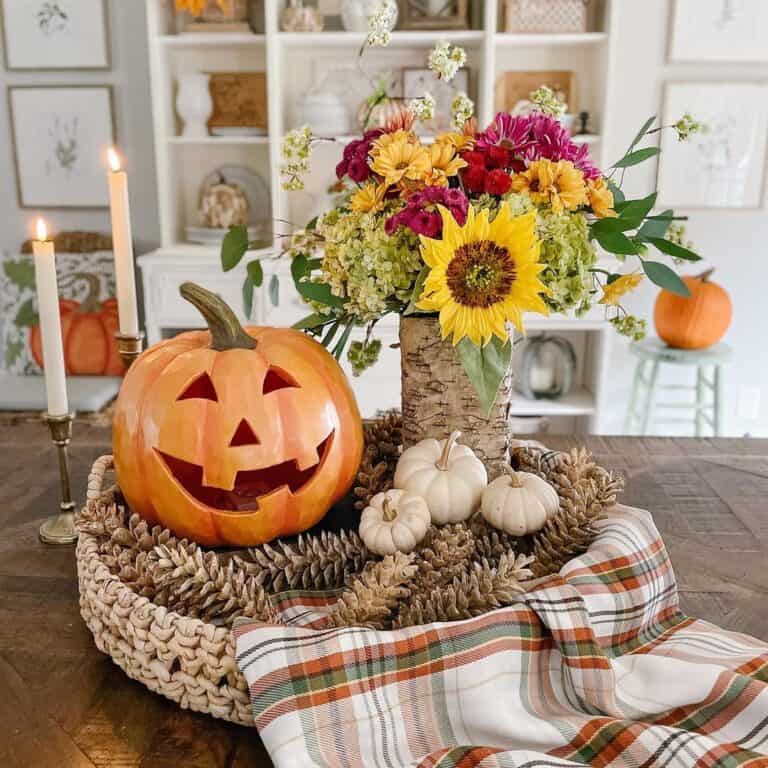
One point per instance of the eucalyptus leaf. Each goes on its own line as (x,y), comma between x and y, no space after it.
(616,242)
(635,211)
(256,273)
(656,226)
(299,267)
(673,249)
(319,292)
(618,195)
(641,133)
(234,247)
(666,278)
(315,320)
(485,367)
(248,297)
(637,157)
(274,290)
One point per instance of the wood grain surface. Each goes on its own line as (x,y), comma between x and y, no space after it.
(65,704)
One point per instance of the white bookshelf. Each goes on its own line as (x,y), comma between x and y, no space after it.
(294,63)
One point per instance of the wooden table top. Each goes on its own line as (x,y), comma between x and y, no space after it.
(65,704)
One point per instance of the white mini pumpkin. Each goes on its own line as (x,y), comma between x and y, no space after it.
(395,521)
(448,476)
(519,503)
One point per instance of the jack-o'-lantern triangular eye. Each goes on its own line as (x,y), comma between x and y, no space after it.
(244,435)
(201,388)
(277,379)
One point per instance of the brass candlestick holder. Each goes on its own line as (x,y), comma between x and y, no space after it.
(130,346)
(61,528)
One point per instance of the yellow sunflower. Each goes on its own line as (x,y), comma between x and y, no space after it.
(396,156)
(560,184)
(444,163)
(483,274)
(612,292)
(369,198)
(600,198)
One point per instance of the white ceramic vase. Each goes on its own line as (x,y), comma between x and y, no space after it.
(194,104)
(355,14)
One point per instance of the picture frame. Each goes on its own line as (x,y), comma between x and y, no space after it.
(723,167)
(48,35)
(239,101)
(416,81)
(717,31)
(517,86)
(60,135)
(433,14)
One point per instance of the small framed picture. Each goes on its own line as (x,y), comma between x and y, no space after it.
(715,30)
(60,136)
(724,166)
(55,34)
(417,82)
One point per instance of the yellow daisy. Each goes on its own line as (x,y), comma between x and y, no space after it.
(600,198)
(444,163)
(483,275)
(459,141)
(398,158)
(612,292)
(369,198)
(560,184)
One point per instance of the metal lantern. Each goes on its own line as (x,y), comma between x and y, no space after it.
(547,368)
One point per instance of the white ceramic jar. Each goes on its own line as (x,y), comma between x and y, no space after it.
(194,104)
(355,14)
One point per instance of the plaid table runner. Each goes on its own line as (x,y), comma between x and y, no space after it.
(596,665)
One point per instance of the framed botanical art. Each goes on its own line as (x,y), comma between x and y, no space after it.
(724,166)
(719,30)
(60,135)
(55,34)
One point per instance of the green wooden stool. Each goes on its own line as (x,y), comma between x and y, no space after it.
(704,410)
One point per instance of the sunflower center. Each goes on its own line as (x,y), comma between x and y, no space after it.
(480,274)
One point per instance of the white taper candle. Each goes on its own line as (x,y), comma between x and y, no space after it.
(50,322)
(122,243)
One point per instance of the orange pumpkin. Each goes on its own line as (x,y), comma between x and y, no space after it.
(696,321)
(88,331)
(232,435)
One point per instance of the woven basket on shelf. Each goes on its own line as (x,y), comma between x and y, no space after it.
(545,16)
(184,659)
(235,11)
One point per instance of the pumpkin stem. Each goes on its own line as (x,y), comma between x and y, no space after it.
(514,480)
(225,328)
(442,462)
(704,276)
(387,513)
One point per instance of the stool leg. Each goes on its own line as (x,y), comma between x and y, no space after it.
(629,419)
(699,409)
(647,416)
(718,394)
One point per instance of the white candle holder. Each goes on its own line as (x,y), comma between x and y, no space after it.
(60,529)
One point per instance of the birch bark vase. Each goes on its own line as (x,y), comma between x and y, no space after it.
(437,396)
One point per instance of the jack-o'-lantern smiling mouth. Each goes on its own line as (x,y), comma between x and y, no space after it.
(250,484)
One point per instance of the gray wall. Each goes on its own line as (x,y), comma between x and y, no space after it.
(129,77)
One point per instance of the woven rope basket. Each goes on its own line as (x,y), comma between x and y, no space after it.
(183,659)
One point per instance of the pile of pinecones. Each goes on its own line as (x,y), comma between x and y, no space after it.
(458,571)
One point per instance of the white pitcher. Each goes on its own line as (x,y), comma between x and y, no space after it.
(194,104)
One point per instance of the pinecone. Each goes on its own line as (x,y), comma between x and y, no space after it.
(383,438)
(373,597)
(443,555)
(321,561)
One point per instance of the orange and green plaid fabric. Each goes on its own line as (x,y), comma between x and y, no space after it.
(596,666)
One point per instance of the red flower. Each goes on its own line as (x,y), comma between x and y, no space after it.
(341,169)
(474,178)
(498,157)
(358,169)
(497,182)
(474,158)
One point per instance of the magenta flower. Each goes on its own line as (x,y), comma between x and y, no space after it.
(355,159)
(421,216)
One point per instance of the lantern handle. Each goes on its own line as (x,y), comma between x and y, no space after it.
(225,328)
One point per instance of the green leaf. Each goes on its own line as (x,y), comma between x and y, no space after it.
(27,317)
(233,247)
(319,292)
(665,277)
(256,272)
(485,367)
(646,125)
(656,226)
(274,290)
(312,224)
(330,333)
(299,267)
(338,350)
(673,249)
(315,320)
(634,211)
(610,226)
(616,242)
(612,278)
(248,297)
(637,157)
(21,272)
(618,195)
(418,287)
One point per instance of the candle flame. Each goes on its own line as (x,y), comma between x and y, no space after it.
(42,230)
(114,159)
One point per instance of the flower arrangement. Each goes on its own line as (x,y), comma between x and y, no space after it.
(477,227)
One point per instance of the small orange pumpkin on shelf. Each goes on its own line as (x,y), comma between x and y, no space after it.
(235,436)
(696,321)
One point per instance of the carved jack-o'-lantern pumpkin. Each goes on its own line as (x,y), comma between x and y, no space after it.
(235,436)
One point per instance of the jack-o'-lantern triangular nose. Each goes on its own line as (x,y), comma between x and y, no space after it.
(244,435)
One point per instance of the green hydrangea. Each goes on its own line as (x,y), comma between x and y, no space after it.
(371,269)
